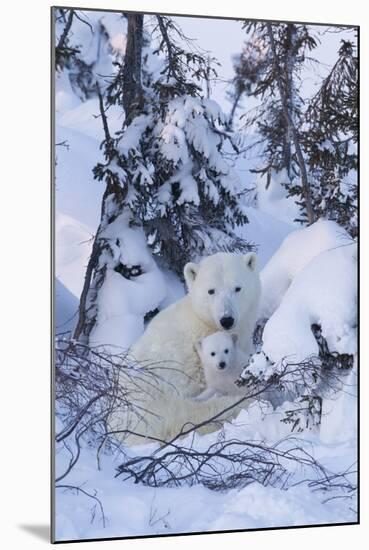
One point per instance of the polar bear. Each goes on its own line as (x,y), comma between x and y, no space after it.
(223,362)
(223,294)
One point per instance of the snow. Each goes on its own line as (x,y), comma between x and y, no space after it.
(123,302)
(65,98)
(273,200)
(308,275)
(265,231)
(186,128)
(175,289)
(173,145)
(132,135)
(339,413)
(134,510)
(74,178)
(66,308)
(214,110)
(212,191)
(312,279)
(99,35)
(78,197)
(80,117)
(188,185)
(296,251)
(73,244)
(324,293)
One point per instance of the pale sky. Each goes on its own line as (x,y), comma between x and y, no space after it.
(224,38)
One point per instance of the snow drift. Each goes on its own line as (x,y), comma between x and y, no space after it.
(310,279)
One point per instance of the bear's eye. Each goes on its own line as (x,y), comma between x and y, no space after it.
(211,291)
(226,351)
(238,289)
(212,353)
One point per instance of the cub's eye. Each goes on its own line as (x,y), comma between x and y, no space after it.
(238,289)
(211,291)
(225,351)
(212,353)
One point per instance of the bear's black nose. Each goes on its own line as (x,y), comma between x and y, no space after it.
(222,365)
(227,322)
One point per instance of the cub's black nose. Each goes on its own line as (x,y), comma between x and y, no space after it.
(222,365)
(227,322)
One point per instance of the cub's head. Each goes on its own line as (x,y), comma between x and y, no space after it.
(217,351)
(222,287)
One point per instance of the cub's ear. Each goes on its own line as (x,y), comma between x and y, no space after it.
(190,272)
(234,338)
(251,260)
(197,346)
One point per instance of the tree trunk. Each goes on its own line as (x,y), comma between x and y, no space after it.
(93,277)
(132,89)
(290,61)
(300,158)
(233,110)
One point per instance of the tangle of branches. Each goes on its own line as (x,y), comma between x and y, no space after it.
(89,389)
(230,463)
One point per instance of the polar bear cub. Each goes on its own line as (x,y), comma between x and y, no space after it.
(222,361)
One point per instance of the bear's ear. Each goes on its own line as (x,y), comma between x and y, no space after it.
(251,260)
(234,338)
(190,272)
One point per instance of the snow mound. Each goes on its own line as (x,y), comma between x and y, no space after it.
(294,254)
(66,308)
(78,195)
(123,302)
(321,291)
(72,251)
(79,117)
(273,199)
(266,231)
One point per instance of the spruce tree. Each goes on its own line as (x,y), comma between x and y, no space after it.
(169,157)
(330,141)
(272,74)
(310,142)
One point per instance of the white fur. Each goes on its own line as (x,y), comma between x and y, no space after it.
(168,342)
(222,361)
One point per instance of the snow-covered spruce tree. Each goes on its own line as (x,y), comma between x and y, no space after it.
(182,191)
(165,175)
(330,141)
(272,74)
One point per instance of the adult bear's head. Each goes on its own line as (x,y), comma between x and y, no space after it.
(222,287)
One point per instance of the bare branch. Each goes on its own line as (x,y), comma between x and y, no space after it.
(67,28)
